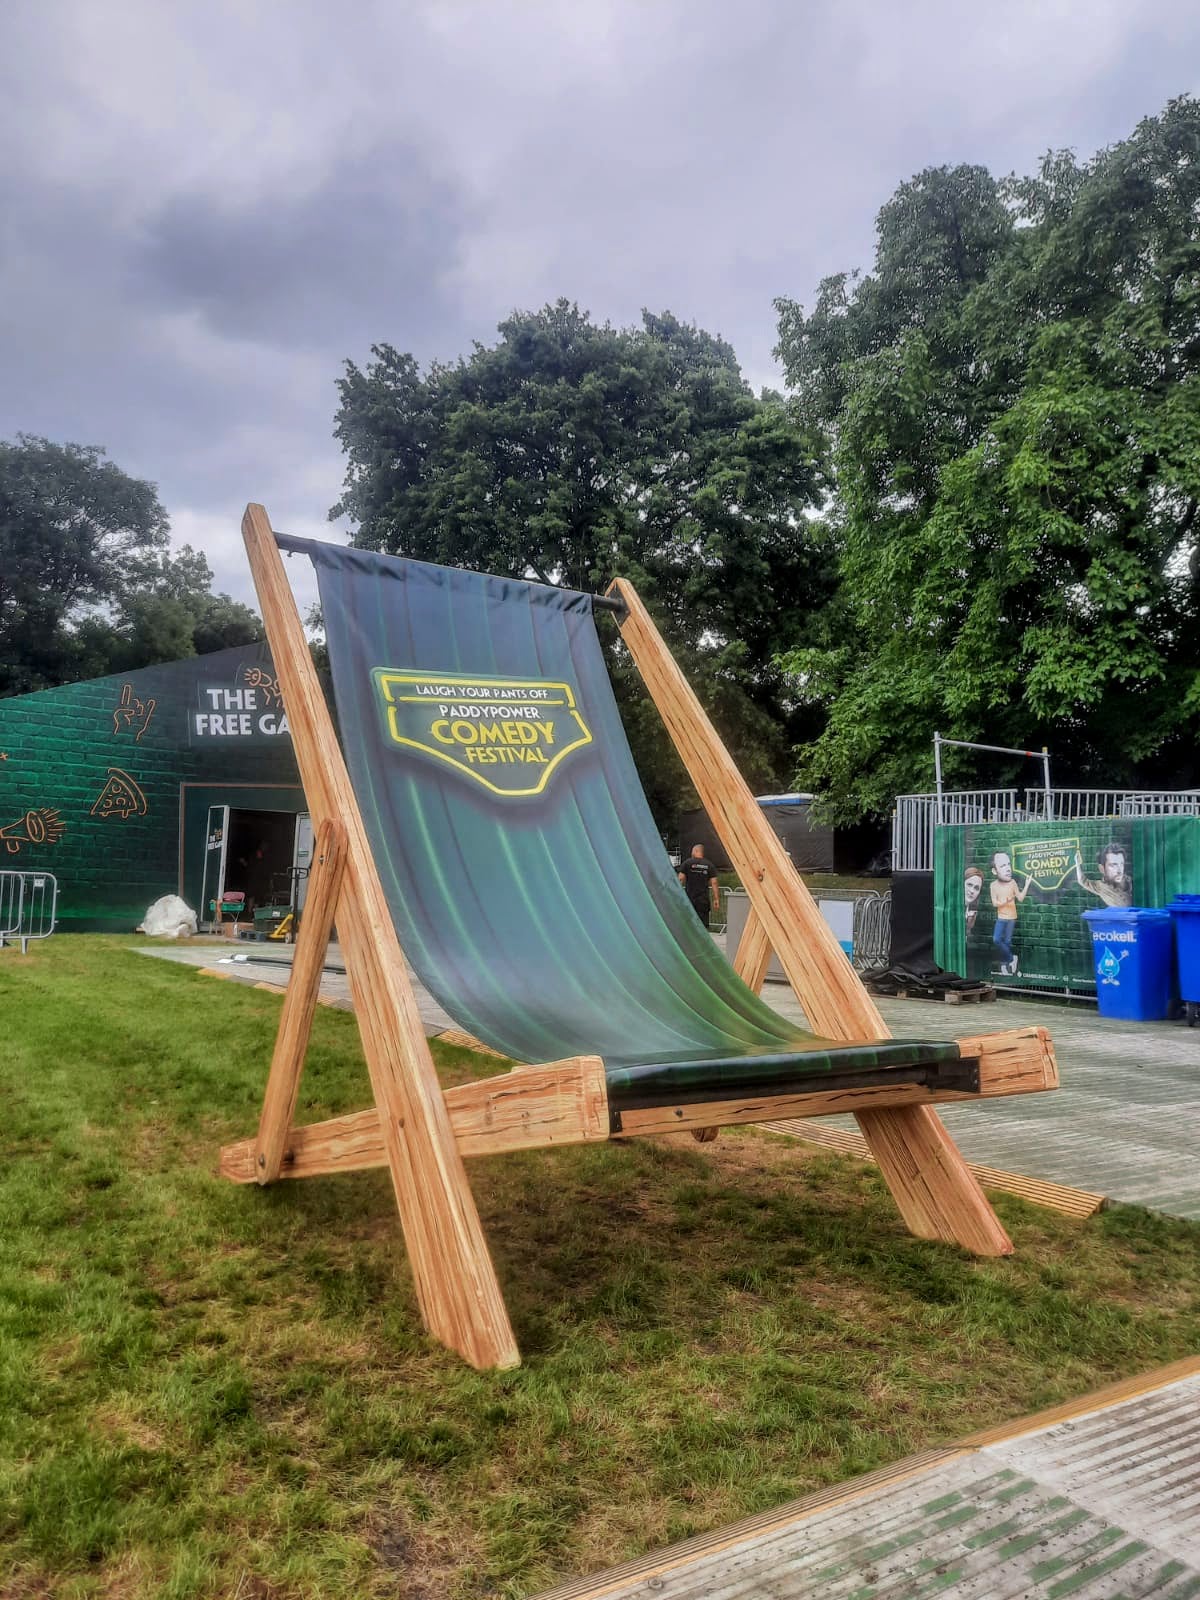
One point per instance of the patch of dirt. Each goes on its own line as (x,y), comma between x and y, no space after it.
(252,1587)
(130,1430)
(419,1567)
(27,1588)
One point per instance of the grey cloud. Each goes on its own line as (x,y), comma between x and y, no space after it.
(198,226)
(363,254)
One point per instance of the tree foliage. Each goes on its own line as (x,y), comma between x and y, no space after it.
(88,584)
(571,452)
(1012,400)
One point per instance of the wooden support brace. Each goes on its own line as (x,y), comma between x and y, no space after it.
(453,1275)
(566,1102)
(531,1108)
(753,952)
(934,1188)
(300,998)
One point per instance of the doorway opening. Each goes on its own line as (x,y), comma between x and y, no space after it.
(258,857)
(256,864)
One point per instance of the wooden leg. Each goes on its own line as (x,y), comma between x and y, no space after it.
(753,952)
(455,1280)
(931,1182)
(300,1001)
(937,1193)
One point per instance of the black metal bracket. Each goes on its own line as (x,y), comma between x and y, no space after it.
(294,545)
(613,603)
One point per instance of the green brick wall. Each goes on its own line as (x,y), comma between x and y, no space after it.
(94,776)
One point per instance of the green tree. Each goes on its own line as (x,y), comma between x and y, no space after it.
(571,452)
(1012,400)
(87,583)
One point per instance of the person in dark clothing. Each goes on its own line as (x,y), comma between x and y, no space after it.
(699,879)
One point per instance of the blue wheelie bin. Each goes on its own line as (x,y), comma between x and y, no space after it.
(1132,953)
(1185,914)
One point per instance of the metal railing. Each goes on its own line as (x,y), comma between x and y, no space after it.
(1067,804)
(28,907)
(873,931)
(917,815)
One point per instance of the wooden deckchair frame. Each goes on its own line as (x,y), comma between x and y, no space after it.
(422,1133)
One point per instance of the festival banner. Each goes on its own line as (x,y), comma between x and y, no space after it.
(508,734)
(1010,896)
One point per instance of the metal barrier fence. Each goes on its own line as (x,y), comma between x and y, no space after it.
(1067,804)
(917,815)
(28,907)
(873,931)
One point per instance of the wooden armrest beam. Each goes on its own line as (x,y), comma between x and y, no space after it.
(566,1102)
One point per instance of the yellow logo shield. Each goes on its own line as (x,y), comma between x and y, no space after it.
(508,734)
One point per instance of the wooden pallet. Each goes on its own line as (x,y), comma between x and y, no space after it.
(952,997)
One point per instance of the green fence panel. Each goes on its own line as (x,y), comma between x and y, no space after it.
(1009,897)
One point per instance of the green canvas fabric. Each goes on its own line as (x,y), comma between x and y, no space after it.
(529,886)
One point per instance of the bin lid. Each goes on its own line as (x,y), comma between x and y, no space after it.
(1185,902)
(1123,915)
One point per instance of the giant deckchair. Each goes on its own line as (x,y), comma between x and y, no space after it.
(482,816)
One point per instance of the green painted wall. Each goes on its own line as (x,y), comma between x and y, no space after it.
(1051,943)
(95,778)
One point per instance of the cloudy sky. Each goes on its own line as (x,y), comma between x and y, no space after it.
(207,205)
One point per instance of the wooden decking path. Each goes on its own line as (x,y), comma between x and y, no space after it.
(1099,1498)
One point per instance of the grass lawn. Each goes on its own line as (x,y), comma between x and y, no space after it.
(208,1390)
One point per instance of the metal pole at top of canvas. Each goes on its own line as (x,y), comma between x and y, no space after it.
(1042,755)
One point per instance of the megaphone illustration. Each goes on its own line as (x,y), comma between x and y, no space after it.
(35,827)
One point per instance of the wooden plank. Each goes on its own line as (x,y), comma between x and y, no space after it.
(300,997)
(753,953)
(826,984)
(646,1574)
(1098,1400)
(566,1102)
(467,1041)
(928,1178)
(455,1280)
(563,1102)
(1005,1058)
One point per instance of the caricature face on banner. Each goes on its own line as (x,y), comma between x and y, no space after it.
(1027,926)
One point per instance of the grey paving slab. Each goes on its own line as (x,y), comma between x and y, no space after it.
(1123,1124)
(252,962)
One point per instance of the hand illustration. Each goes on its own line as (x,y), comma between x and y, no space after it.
(131,712)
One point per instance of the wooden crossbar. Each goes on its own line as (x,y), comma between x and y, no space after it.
(566,1102)
(300,998)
